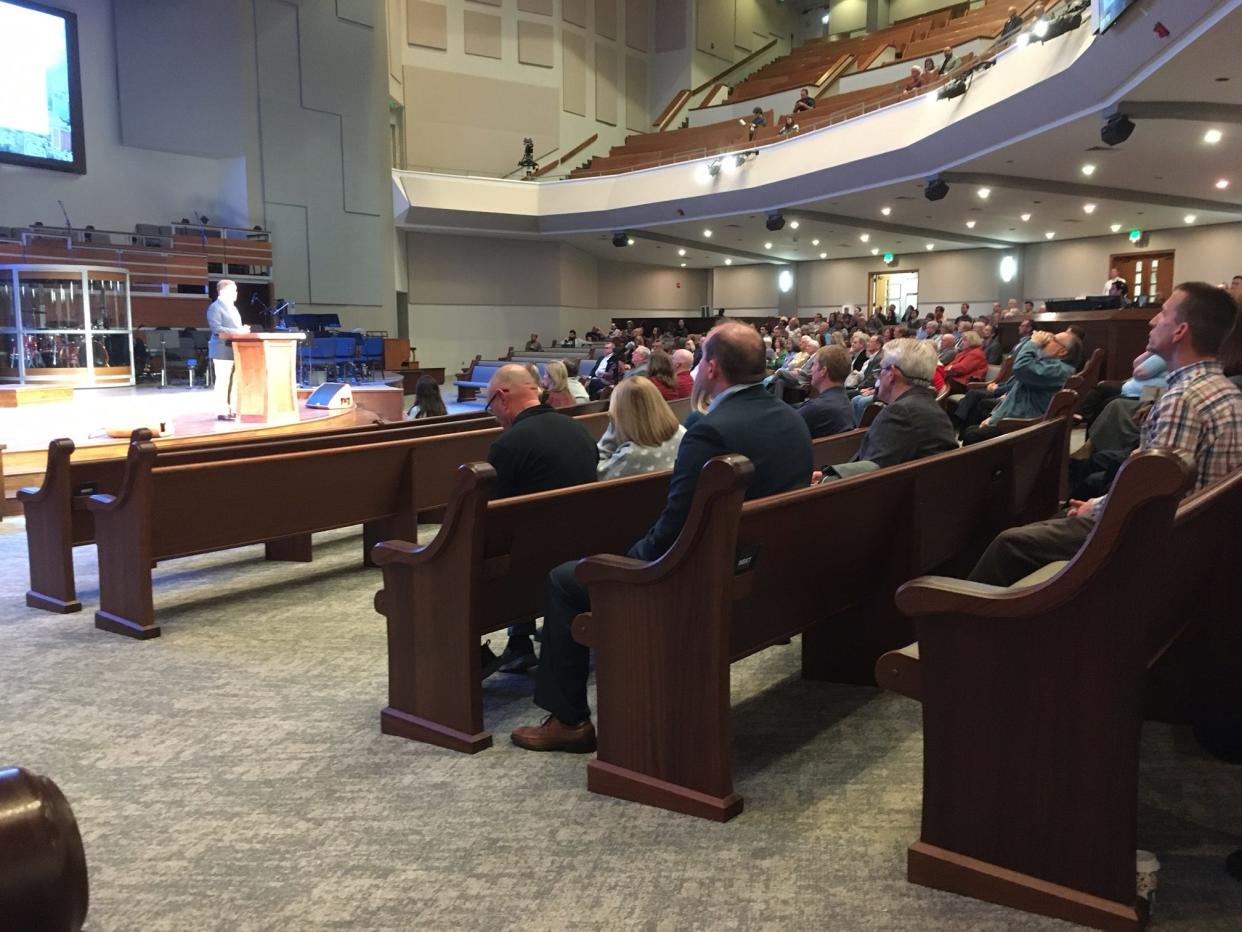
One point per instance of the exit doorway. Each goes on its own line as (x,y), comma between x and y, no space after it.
(899,288)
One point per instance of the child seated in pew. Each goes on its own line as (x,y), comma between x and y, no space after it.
(427,400)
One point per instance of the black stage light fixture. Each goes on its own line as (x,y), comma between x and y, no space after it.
(955,88)
(776,221)
(936,189)
(620,240)
(1117,130)
(713,168)
(1067,22)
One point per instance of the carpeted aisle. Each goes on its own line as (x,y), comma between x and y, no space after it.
(231,775)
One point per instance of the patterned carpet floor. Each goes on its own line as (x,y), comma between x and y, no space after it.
(231,775)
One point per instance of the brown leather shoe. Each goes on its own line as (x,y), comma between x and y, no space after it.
(555,735)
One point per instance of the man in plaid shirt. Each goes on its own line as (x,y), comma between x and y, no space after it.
(1199,417)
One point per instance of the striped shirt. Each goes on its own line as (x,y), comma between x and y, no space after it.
(1199,418)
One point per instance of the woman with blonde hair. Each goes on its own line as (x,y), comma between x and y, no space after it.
(556,381)
(643,433)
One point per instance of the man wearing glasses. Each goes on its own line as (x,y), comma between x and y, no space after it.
(1040,370)
(538,451)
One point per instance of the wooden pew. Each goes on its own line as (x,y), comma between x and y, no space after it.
(157,513)
(665,632)
(1033,699)
(487,568)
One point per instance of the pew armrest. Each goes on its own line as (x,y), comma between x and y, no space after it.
(402,552)
(30,493)
(101,501)
(898,672)
(1008,425)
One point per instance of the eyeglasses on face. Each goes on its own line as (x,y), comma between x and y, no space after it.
(492,400)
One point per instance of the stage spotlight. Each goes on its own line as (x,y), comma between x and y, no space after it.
(713,167)
(936,189)
(1067,22)
(955,88)
(620,240)
(1117,130)
(776,221)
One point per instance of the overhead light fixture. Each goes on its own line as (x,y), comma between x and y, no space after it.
(936,189)
(793,224)
(1049,234)
(767,245)
(824,19)
(728,261)
(865,237)
(1116,228)
(931,246)
(683,265)
(1088,208)
(1117,130)
(875,252)
(1008,268)
(620,240)
(1026,218)
(1213,136)
(784,281)
(1088,169)
(886,210)
(707,233)
(814,242)
(970,224)
(823,255)
(681,252)
(984,193)
(776,221)
(1222,184)
(1190,218)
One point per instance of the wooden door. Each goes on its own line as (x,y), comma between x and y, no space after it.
(1147,273)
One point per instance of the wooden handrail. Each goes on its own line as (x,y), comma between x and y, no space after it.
(733,67)
(671,109)
(544,169)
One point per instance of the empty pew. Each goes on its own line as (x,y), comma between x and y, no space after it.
(1033,699)
(665,632)
(487,568)
(157,513)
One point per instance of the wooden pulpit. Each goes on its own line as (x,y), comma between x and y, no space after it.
(265,365)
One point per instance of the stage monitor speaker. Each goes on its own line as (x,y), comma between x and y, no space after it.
(331,395)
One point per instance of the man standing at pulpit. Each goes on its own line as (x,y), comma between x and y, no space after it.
(224,320)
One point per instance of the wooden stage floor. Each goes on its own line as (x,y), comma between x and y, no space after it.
(27,430)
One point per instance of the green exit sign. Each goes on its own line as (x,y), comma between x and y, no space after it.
(1136,235)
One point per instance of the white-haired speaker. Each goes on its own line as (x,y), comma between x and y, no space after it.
(331,395)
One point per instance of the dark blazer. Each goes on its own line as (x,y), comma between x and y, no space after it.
(828,413)
(910,428)
(750,422)
(542,450)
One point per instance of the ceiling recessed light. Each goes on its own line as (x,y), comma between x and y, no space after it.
(970,224)
(1049,234)
(1116,228)
(875,252)
(985,193)
(1222,184)
(681,252)
(728,261)
(793,224)
(866,237)
(1088,169)
(1088,208)
(886,210)
(1213,136)
(707,233)
(1190,218)
(814,242)
(1026,217)
(823,255)
(931,246)
(683,265)
(767,245)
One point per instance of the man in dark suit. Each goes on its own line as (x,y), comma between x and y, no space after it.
(743,418)
(829,412)
(538,451)
(911,425)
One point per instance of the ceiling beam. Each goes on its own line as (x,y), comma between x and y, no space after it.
(1196,110)
(885,226)
(1088,191)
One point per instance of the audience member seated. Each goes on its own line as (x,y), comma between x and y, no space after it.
(610,369)
(756,120)
(643,434)
(969,365)
(829,412)
(683,362)
(868,376)
(805,101)
(929,69)
(571,341)
(796,371)
(533,345)
(556,381)
(949,62)
(1040,369)
(916,79)
(1012,24)
(742,418)
(991,344)
(576,388)
(1147,371)
(858,350)
(538,450)
(946,348)
(660,372)
(639,359)
(788,127)
(912,424)
(427,400)
(1199,418)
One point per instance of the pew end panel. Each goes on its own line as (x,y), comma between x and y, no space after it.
(433,667)
(662,668)
(49,534)
(1016,684)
